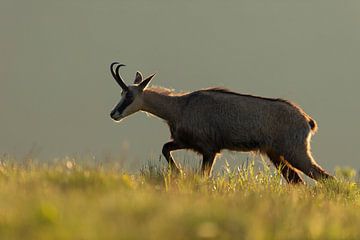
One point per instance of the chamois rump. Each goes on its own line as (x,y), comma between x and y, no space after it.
(209,120)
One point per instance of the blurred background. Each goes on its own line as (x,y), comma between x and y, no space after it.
(56,91)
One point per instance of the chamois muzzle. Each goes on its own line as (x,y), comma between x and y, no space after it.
(115,115)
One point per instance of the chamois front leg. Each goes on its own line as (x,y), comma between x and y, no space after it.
(166,151)
(207,163)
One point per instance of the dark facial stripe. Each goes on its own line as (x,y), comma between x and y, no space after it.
(129,98)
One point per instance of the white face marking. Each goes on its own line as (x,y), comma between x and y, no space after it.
(128,104)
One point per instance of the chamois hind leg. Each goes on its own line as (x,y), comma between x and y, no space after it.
(207,163)
(288,172)
(166,151)
(301,159)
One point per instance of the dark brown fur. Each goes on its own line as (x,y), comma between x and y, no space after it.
(210,120)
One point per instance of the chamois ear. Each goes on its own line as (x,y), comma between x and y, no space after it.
(146,82)
(138,78)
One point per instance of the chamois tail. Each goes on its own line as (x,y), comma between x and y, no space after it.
(313,125)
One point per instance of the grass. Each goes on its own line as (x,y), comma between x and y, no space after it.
(70,200)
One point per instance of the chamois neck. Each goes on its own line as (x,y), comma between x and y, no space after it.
(160,104)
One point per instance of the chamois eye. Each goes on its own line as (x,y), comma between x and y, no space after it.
(129,95)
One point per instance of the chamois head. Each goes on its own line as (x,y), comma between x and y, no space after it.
(131,96)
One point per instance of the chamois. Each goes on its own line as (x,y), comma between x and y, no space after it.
(210,120)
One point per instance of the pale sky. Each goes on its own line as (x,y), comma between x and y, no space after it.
(56,91)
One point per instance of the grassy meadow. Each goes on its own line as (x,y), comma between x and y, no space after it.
(71,200)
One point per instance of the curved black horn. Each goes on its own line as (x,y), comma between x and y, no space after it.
(112,69)
(117,76)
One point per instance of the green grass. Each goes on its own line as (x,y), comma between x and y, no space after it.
(66,200)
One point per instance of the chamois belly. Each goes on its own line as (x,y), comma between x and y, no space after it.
(215,140)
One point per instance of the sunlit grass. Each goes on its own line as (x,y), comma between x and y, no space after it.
(71,200)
